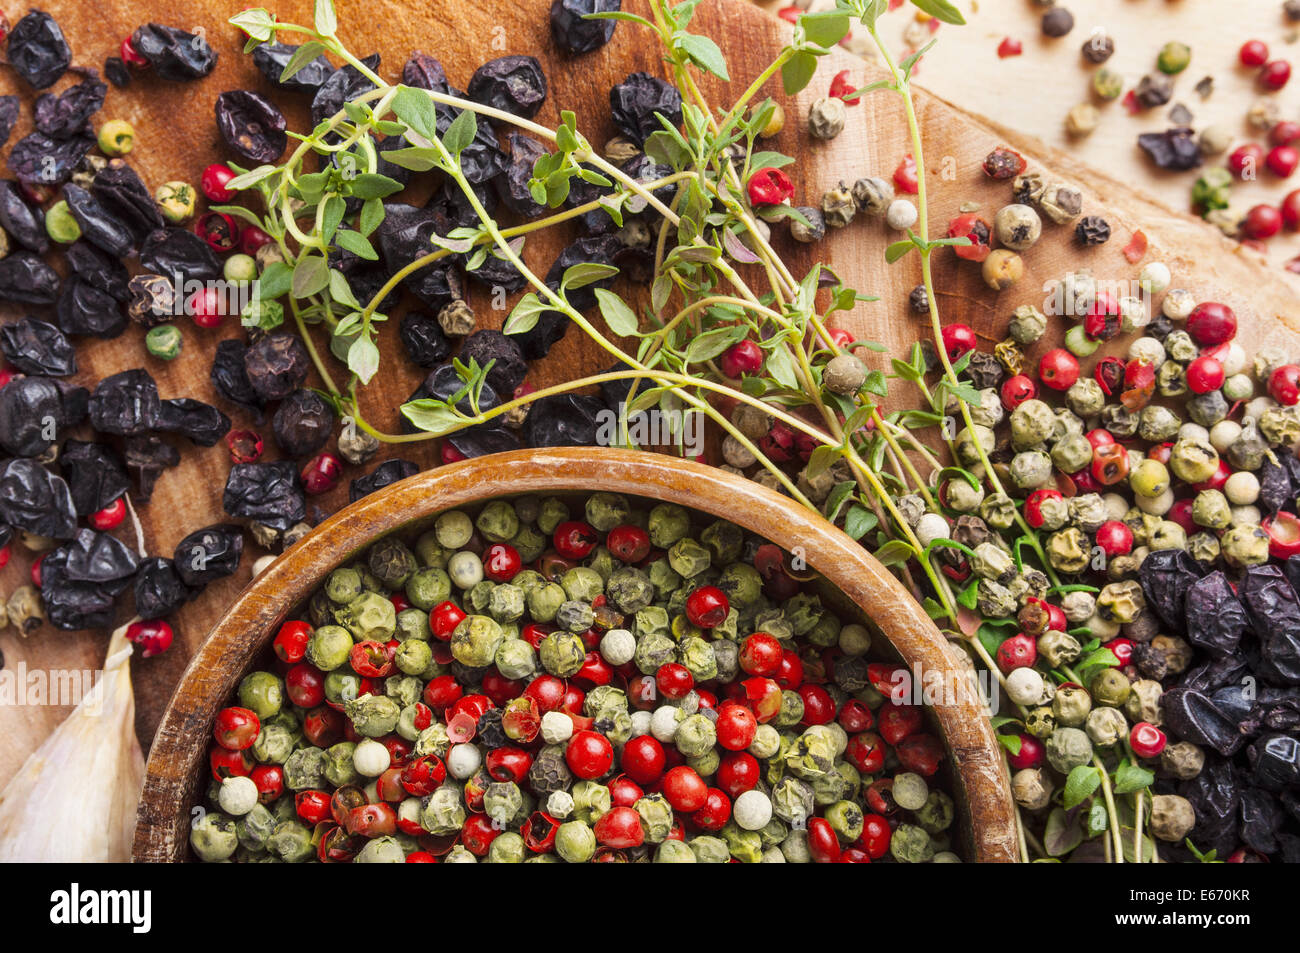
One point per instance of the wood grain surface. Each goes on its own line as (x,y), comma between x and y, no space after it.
(176,138)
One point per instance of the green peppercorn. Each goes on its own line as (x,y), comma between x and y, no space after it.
(1040,722)
(1110,687)
(1078,343)
(1193,461)
(1245,545)
(453,529)
(164,342)
(911,845)
(1068,748)
(176,201)
(262,693)
(60,224)
(1173,57)
(213,836)
(1027,324)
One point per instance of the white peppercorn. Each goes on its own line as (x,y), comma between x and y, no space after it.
(872,195)
(1238,387)
(463,760)
(1215,139)
(930,527)
(1082,119)
(370,758)
(844,374)
(1148,350)
(1154,277)
(664,721)
(556,728)
(736,453)
(237,795)
(1024,686)
(814,231)
(1242,488)
(465,569)
(901,215)
(1178,304)
(618,646)
(826,117)
(1017,226)
(752,810)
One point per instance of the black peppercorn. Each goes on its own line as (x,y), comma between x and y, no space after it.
(276,366)
(1092,230)
(208,554)
(302,423)
(638,100)
(1154,89)
(267,493)
(424,339)
(504,353)
(919,300)
(574,33)
(146,458)
(1098,48)
(1057,21)
(1291,9)
(158,588)
(513,84)
(985,370)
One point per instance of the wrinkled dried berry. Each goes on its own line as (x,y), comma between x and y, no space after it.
(425,342)
(176,251)
(272,58)
(208,554)
(513,84)
(1166,575)
(37,347)
(202,423)
(403,237)
(483,439)
(425,72)
(1092,230)
(512,182)
(38,160)
(34,499)
(302,423)
(107,274)
(482,158)
(573,33)
(81,580)
(30,414)
(125,196)
(390,471)
(23,223)
(158,588)
(115,72)
(174,54)
(1274,611)
(94,473)
(38,50)
(98,226)
(1174,149)
(126,404)
(146,458)
(85,309)
(1216,619)
(444,383)
(268,493)
(67,113)
(563,420)
(9,107)
(342,86)
(508,364)
(639,101)
(251,125)
(276,366)
(231,380)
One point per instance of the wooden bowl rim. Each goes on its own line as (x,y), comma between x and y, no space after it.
(979,768)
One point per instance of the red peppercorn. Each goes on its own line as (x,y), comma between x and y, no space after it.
(1031,753)
(1101,323)
(1275,74)
(958,339)
(1283,530)
(1262,222)
(1181,513)
(574,539)
(898,722)
(974,228)
(372,659)
(629,544)
(1212,323)
(1034,505)
(1253,53)
(1115,538)
(1282,161)
(643,759)
(674,680)
(1146,740)
(589,754)
(236,728)
(1009,47)
(229,764)
(501,562)
(444,618)
(305,685)
(744,357)
(219,230)
(252,238)
(154,636)
(855,717)
(715,812)
(685,789)
(843,88)
(206,307)
(763,698)
(761,654)
(110,516)
(619,827)
(1291,210)
(905,175)
(875,836)
(1016,390)
(1284,385)
(214,182)
(512,764)
(707,607)
(1243,161)
(1109,374)
(823,845)
(768,186)
(735,726)
(737,773)
(290,643)
(312,806)
(269,779)
(131,56)
(866,752)
(790,675)
(1058,369)
(818,706)
(1205,374)
(245,446)
(321,473)
(1018,651)
(1109,464)
(1284,133)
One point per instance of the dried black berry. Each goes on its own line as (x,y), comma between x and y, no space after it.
(30,413)
(1175,149)
(425,342)
(388,472)
(107,274)
(403,237)
(178,251)
(34,499)
(146,457)
(513,84)
(482,159)
(302,423)
(272,58)
(81,580)
(573,33)
(512,182)
(1057,21)
(342,86)
(174,54)
(23,223)
(126,404)
(158,588)
(1154,89)
(425,72)
(268,493)
(1274,611)
(482,439)
(38,50)
(638,101)
(444,383)
(202,423)
(115,72)
(564,420)
(496,271)
(985,370)
(251,125)
(94,473)
(39,160)
(1098,48)
(208,554)
(276,366)
(37,347)
(599,249)
(66,114)
(98,226)
(919,300)
(123,193)
(231,380)
(508,363)
(1092,230)
(85,309)
(9,106)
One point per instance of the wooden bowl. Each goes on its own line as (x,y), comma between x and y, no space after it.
(177,766)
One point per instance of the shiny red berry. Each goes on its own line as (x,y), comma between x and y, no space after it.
(1115,538)
(1146,740)
(589,754)
(154,636)
(958,339)
(214,182)
(707,607)
(1253,53)
(1058,369)
(321,473)
(629,544)
(110,517)
(1284,385)
(744,357)
(501,562)
(1016,390)
(574,539)
(1275,74)
(1018,651)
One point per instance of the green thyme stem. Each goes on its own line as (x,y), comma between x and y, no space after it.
(1110,809)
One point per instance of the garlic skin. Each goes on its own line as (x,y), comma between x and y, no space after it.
(74,799)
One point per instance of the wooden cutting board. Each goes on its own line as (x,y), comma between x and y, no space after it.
(176,138)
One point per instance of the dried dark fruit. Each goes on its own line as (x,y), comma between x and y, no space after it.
(231,380)
(1166,575)
(497,272)
(276,366)
(1153,89)
(158,588)
(1216,620)
(1275,761)
(98,226)
(34,499)
(482,158)
(1174,149)
(1214,675)
(38,160)
(342,86)
(66,114)
(1215,795)
(424,339)
(1261,816)
(38,50)
(272,58)
(26,279)
(208,554)
(639,101)
(83,308)
(31,409)
(425,72)
(508,364)
(126,404)
(81,580)
(444,383)
(176,251)
(153,300)
(1194,716)
(115,72)
(513,84)
(512,182)
(146,458)
(251,125)
(94,474)
(268,493)
(37,347)
(123,194)
(403,237)
(480,440)
(1276,492)
(302,423)
(202,423)
(598,249)
(564,420)
(174,54)
(9,106)
(388,472)
(573,33)
(1274,613)
(452,203)
(24,224)
(107,274)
